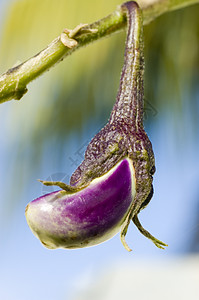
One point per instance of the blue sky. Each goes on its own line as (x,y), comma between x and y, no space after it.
(29,271)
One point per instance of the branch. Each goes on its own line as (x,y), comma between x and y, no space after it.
(13,83)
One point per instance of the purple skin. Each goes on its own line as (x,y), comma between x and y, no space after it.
(85,218)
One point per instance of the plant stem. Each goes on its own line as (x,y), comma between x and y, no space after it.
(13,83)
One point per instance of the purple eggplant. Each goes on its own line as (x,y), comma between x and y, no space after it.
(87,217)
(114,181)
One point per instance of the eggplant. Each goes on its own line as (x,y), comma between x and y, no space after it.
(114,181)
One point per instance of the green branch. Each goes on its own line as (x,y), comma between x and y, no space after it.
(13,83)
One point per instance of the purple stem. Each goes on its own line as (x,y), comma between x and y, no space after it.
(129,103)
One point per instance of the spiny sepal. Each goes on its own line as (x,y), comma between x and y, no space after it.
(66,187)
(157,242)
(136,221)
